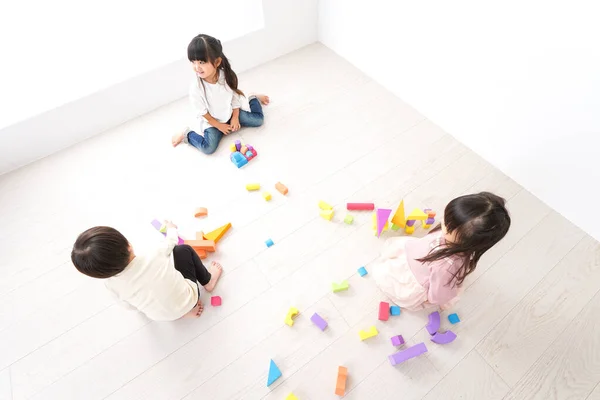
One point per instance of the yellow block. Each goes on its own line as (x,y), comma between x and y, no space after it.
(385,227)
(399,217)
(325,206)
(372,332)
(233,148)
(409,229)
(425,226)
(267,196)
(253,186)
(417,214)
(327,214)
(291,397)
(218,233)
(289,318)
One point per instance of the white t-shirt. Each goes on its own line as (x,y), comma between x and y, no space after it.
(218,99)
(151,284)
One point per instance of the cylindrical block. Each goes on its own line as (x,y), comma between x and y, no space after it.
(410,222)
(253,186)
(360,206)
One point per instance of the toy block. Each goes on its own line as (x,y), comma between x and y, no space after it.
(253,154)
(426,226)
(292,313)
(382,219)
(384,311)
(325,206)
(274,373)
(326,214)
(362,271)
(218,233)
(201,212)
(409,230)
(340,386)
(399,219)
(200,236)
(249,147)
(338,287)
(206,245)
(434,323)
(201,253)
(269,242)
(430,213)
(443,338)
(395,310)
(233,148)
(372,332)
(411,222)
(253,186)
(360,206)
(215,301)
(291,397)
(395,227)
(417,215)
(163,228)
(318,321)
(385,227)
(238,159)
(453,318)
(158,225)
(249,154)
(397,340)
(349,219)
(267,196)
(244,149)
(281,188)
(238,145)
(407,354)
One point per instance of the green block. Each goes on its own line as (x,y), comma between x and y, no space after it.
(395,227)
(163,229)
(349,219)
(338,287)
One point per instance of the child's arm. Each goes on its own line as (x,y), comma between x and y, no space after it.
(172,236)
(225,128)
(440,290)
(201,109)
(236,104)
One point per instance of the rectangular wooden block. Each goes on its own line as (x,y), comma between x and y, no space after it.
(281,188)
(207,245)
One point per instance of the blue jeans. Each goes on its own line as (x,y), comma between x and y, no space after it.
(212,136)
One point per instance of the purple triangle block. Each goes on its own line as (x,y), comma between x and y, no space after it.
(382,216)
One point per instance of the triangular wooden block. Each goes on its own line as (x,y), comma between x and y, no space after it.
(217,234)
(399,218)
(382,218)
(417,214)
(274,373)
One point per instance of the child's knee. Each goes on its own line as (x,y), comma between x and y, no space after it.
(209,149)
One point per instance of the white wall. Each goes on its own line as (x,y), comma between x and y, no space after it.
(79,99)
(518,81)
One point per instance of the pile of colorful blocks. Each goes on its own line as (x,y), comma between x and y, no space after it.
(241,153)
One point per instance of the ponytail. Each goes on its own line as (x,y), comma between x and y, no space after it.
(230,76)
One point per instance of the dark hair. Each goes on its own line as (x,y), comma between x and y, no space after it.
(101,252)
(479,221)
(206,48)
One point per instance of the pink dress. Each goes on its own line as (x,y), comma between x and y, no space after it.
(412,284)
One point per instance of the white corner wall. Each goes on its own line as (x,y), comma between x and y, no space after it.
(162,77)
(518,81)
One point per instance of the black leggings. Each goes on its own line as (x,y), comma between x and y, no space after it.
(189,264)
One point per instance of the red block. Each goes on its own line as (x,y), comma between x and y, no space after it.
(384,311)
(360,206)
(215,301)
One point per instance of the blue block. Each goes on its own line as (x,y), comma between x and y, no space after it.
(395,310)
(249,153)
(238,159)
(274,373)
(269,242)
(453,318)
(362,271)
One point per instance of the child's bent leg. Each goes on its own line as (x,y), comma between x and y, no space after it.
(255,117)
(208,143)
(206,277)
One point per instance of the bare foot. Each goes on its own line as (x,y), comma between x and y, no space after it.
(178,137)
(215,270)
(264,99)
(196,311)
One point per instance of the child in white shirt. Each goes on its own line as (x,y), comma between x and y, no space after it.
(215,97)
(163,284)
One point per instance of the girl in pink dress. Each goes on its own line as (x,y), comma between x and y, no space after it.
(420,273)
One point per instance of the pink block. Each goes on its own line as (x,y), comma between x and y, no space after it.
(215,301)
(384,311)
(382,216)
(360,206)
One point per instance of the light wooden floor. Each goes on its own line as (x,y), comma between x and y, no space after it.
(530,316)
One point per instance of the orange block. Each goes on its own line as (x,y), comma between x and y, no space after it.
(218,233)
(200,212)
(206,245)
(281,188)
(340,386)
(201,253)
(200,236)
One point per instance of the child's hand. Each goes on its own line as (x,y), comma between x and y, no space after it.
(170,224)
(226,129)
(235,124)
